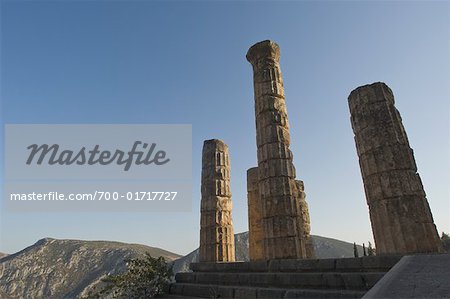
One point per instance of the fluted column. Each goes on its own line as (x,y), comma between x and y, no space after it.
(216,226)
(277,186)
(255,231)
(401,218)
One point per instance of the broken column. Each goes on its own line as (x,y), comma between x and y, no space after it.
(277,187)
(304,221)
(255,231)
(401,218)
(216,226)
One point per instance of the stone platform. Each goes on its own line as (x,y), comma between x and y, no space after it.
(313,278)
(415,276)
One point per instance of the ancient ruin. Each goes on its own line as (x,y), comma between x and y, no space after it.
(282,237)
(216,226)
(255,231)
(304,221)
(401,218)
(283,263)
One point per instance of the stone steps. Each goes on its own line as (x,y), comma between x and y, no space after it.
(347,281)
(220,291)
(313,278)
(171,296)
(361,264)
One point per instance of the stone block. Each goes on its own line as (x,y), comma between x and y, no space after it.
(225,292)
(185,277)
(371,278)
(383,263)
(233,267)
(196,290)
(354,281)
(272,293)
(326,264)
(349,264)
(333,280)
(245,293)
(228,278)
(203,267)
(262,279)
(176,288)
(259,266)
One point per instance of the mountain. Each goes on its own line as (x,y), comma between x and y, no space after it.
(66,268)
(2,255)
(241,254)
(54,268)
(333,248)
(324,248)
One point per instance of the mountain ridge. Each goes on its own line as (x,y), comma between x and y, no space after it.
(53,268)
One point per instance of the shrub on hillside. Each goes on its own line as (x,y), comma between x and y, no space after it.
(144,278)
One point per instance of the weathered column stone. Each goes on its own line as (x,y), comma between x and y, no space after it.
(216,226)
(401,218)
(304,221)
(277,186)
(255,231)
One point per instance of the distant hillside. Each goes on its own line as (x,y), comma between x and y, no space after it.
(333,248)
(66,268)
(324,248)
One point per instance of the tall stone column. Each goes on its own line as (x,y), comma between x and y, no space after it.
(304,221)
(277,187)
(216,226)
(255,230)
(401,218)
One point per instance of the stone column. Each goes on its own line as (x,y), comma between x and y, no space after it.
(255,231)
(277,186)
(401,218)
(304,221)
(216,226)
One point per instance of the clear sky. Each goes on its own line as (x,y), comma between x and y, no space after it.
(184,62)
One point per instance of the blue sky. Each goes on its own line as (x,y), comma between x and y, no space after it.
(184,62)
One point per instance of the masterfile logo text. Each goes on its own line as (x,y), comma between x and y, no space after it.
(108,166)
(52,155)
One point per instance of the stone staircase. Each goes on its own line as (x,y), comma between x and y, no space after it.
(314,278)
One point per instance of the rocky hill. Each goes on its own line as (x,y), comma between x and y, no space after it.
(66,268)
